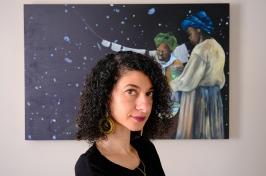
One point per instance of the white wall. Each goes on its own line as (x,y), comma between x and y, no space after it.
(244,154)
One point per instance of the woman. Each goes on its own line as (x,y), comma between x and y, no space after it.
(166,43)
(125,100)
(172,67)
(201,107)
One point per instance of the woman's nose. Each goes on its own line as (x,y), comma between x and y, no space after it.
(144,103)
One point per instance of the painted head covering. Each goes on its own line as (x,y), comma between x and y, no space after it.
(200,21)
(167,38)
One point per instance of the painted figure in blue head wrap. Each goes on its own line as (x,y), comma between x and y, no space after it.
(198,27)
(201,107)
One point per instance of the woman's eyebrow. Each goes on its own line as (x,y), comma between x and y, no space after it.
(135,86)
(151,89)
(132,85)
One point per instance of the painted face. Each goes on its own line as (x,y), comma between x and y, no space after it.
(131,100)
(194,35)
(164,51)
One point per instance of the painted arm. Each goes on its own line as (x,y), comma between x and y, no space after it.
(180,52)
(117,47)
(191,76)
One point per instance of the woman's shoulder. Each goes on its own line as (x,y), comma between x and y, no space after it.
(86,160)
(206,47)
(90,153)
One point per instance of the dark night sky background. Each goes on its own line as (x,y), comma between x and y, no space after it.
(60,49)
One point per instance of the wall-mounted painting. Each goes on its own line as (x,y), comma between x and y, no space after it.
(189,41)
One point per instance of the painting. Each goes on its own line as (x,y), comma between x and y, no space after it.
(190,41)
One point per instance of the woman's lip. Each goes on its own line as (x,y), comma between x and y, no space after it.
(139,118)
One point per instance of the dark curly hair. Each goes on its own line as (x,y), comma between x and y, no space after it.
(94,101)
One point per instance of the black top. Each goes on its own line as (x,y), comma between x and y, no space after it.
(93,163)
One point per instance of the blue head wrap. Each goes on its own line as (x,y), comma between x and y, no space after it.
(200,21)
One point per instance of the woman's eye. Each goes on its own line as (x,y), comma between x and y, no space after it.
(150,94)
(131,92)
(159,52)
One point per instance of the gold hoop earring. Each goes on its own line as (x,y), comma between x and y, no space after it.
(106,125)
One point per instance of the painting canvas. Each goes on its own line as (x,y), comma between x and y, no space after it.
(63,42)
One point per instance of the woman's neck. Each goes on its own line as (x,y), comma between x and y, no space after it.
(204,37)
(117,148)
(116,142)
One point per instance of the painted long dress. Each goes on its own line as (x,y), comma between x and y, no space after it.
(201,107)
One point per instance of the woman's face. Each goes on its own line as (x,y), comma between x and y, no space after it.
(131,100)
(164,51)
(194,35)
